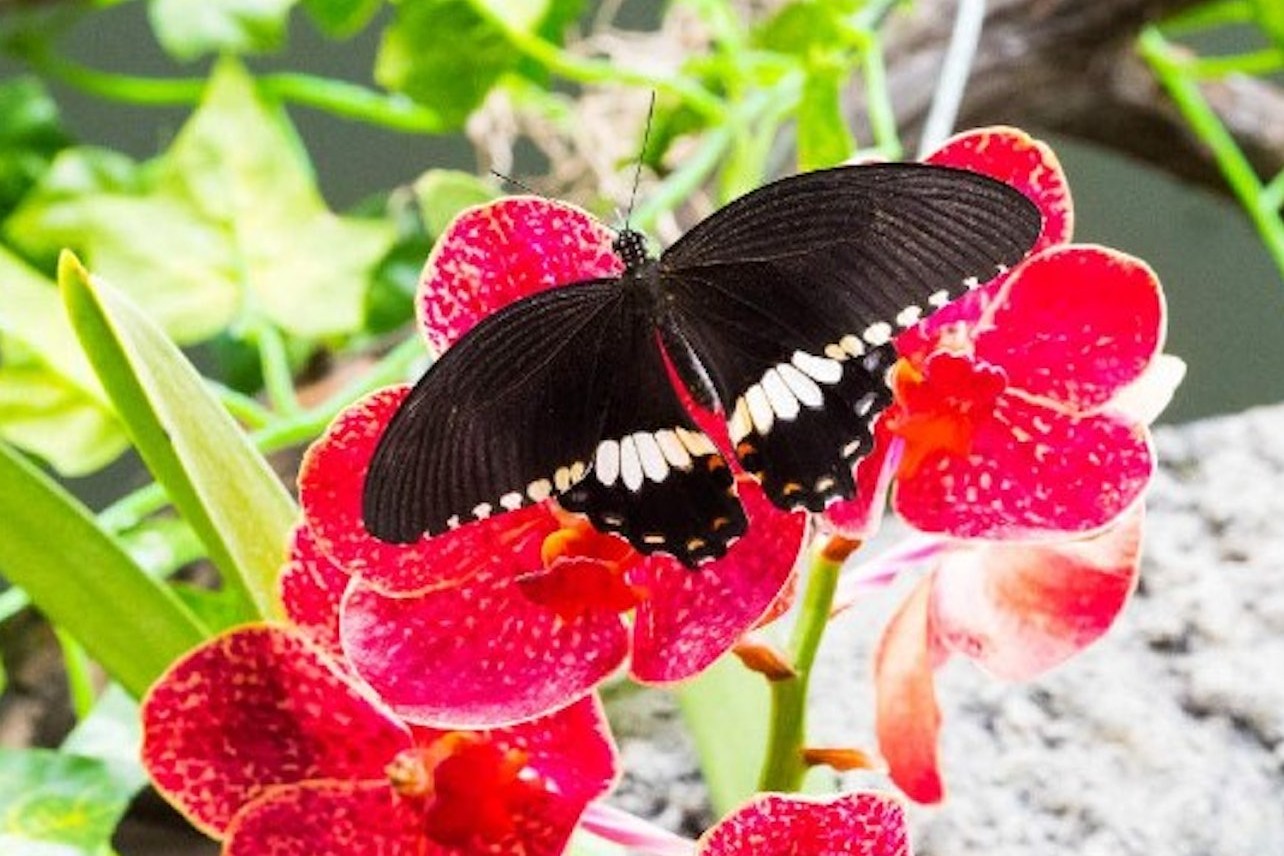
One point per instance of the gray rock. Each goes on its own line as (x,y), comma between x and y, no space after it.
(1165,737)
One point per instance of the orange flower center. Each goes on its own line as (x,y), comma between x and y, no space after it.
(470,788)
(584,571)
(939,406)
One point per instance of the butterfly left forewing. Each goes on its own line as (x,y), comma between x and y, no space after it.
(562,394)
(789,298)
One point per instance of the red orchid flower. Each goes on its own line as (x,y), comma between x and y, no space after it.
(264,743)
(511,617)
(860,823)
(1007,421)
(1015,609)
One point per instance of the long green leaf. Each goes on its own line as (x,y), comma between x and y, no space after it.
(51,546)
(730,758)
(213,474)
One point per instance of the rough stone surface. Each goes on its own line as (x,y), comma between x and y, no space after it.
(1166,737)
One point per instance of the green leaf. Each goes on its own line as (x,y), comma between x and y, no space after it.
(213,474)
(50,402)
(187,30)
(799,27)
(443,193)
(112,734)
(56,803)
(341,19)
(729,757)
(30,134)
(823,137)
(430,41)
(428,44)
(227,226)
(1270,17)
(81,578)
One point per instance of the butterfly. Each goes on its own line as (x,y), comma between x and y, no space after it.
(777,311)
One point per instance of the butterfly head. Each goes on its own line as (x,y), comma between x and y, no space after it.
(630,246)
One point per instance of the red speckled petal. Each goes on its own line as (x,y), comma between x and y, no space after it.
(478,654)
(572,748)
(1075,324)
(494,254)
(861,516)
(257,707)
(331,480)
(907,719)
(1014,157)
(693,617)
(329,819)
(311,588)
(1032,473)
(852,824)
(1020,609)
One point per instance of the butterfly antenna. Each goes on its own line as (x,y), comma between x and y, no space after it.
(637,173)
(510,180)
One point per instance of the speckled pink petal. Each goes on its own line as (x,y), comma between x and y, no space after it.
(861,516)
(329,818)
(907,719)
(1015,158)
(1075,324)
(1020,609)
(331,481)
(478,654)
(257,707)
(1033,473)
(311,587)
(695,616)
(496,253)
(863,823)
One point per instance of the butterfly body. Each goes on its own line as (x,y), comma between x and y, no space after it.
(778,312)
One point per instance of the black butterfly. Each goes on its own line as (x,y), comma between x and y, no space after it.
(779,310)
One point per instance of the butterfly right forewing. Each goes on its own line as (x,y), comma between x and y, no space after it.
(789,298)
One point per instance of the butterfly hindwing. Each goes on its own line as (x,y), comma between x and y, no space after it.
(534,402)
(789,297)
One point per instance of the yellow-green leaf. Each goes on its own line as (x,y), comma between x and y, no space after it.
(213,474)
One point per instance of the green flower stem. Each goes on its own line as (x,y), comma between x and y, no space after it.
(146,91)
(80,683)
(872,15)
(340,98)
(1173,73)
(878,98)
(351,101)
(1263,62)
(783,767)
(244,407)
(596,71)
(278,376)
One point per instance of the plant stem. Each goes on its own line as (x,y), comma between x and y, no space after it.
(80,682)
(337,97)
(1204,121)
(594,71)
(783,767)
(278,376)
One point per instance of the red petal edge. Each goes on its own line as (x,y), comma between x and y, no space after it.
(863,823)
(693,617)
(330,819)
(253,708)
(494,254)
(311,588)
(478,654)
(907,719)
(1015,158)
(331,482)
(1021,609)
